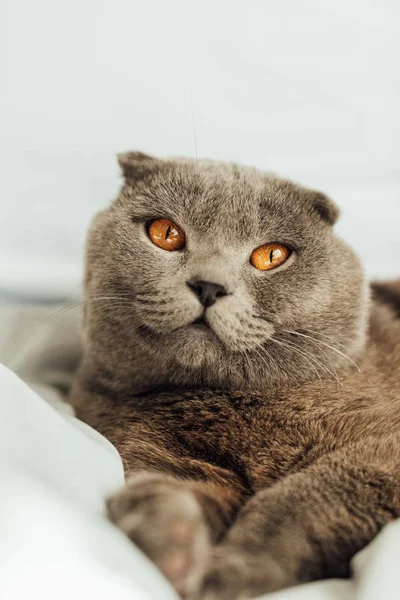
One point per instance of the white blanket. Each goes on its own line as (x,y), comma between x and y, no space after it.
(56,472)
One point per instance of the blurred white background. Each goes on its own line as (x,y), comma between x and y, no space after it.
(307,88)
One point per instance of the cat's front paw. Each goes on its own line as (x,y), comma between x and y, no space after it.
(235,574)
(166,521)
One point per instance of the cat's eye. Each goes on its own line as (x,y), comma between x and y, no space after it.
(166,234)
(269,256)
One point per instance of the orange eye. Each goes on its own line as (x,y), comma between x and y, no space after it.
(166,235)
(269,256)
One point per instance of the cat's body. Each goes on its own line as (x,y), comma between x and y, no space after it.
(284,420)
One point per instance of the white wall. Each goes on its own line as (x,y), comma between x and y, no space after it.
(308,88)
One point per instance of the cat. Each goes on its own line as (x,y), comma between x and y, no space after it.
(235,355)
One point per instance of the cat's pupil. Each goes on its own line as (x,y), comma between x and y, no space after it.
(271,256)
(167,231)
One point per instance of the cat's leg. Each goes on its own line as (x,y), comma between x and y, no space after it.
(309,525)
(176,519)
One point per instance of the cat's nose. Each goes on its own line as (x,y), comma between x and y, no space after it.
(207,292)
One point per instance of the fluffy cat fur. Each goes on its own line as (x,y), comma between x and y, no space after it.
(263,451)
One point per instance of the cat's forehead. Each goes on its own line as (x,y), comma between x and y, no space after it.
(225,199)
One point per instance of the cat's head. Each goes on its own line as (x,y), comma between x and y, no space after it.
(205,273)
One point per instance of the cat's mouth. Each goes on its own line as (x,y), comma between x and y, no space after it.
(201,322)
(201,327)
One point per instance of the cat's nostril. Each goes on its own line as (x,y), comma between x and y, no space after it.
(207,292)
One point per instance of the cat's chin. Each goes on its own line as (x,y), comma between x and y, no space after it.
(197,345)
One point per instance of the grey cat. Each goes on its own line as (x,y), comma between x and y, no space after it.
(235,357)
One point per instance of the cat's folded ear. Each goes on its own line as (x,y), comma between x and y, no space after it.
(324,207)
(137,165)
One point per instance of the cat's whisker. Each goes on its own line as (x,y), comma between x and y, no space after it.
(246,364)
(263,358)
(141,299)
(123,312)
(96,310)
(329,337)
(269,320)
(62,310)
(326,345)
(101,296)
(331,372)
(300,353)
